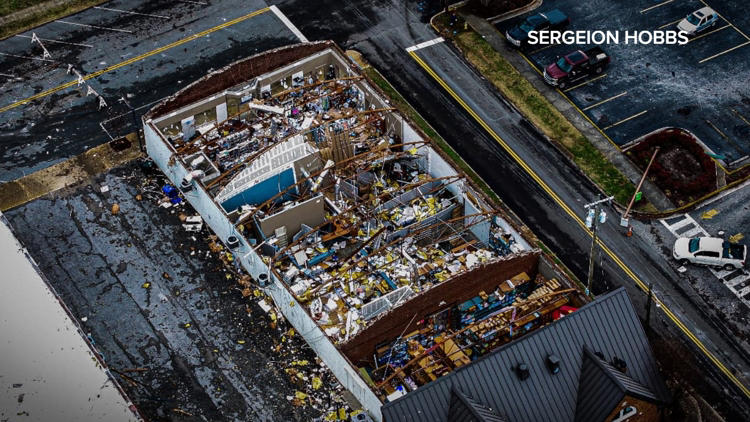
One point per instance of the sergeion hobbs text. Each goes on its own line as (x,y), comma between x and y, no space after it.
(608,37)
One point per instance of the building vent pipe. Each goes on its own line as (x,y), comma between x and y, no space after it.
(522,370)
(233,242)
(263,280)
(553,363)
(186,186)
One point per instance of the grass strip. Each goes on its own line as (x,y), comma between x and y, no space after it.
(406,109)
(38,14)
(535,107)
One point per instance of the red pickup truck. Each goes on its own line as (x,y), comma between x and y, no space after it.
(576,65)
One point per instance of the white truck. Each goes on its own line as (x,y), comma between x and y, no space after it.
(710,251)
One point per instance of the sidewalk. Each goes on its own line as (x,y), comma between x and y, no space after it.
(75,170)
(497,41)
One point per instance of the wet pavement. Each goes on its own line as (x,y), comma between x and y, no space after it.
(67,122)
(381,30)
(697,86)
(165,311)
(727,291)
(394,27)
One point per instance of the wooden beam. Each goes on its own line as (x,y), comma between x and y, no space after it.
(268,147)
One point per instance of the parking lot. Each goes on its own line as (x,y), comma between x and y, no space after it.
(701,86)
(140,50)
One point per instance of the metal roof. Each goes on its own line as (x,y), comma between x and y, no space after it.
(608,325)
(602,387)
(464,409)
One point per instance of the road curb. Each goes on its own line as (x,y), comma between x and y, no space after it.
(515,12)
(40,8)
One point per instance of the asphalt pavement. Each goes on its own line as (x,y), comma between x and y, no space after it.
(158,305)
(696,86)
(99,41)
(383,30)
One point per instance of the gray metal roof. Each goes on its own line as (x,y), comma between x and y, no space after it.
(602,387)
(608,325)
(465,409)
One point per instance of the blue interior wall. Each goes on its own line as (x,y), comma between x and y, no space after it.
(263,191)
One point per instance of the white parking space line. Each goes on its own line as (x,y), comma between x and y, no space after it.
(721,16)
(625,120)
(605,101)
(708,33)
(58,42)
(656,5)
(737,281)
(670,23)
(694,232)
(132,13)
(193,2)
(687,220)
(95,27)
(724,52)
(288,23)
(725,193)
(29,57)
(741,117)
(531,53)
(425,44)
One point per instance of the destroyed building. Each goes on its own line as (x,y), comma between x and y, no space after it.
(384,256)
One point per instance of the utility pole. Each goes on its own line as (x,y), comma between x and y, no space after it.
(624,221)
(595,216)
(135,122)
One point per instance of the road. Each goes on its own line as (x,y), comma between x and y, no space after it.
(382,30)
(122,43)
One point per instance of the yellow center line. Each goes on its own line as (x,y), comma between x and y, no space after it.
(134,59)
(708,33)
(585,83)
(605,101)
(724,52)
(625,120)
(580,222)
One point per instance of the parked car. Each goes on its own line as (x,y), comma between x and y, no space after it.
(710,251)
(552,19)
(698,21)
(576,65)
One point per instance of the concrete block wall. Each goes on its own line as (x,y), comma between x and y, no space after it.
(160,151)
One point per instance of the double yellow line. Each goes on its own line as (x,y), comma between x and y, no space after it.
(135,59)
(580,222)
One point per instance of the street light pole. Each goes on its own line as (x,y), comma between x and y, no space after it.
(595,216)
